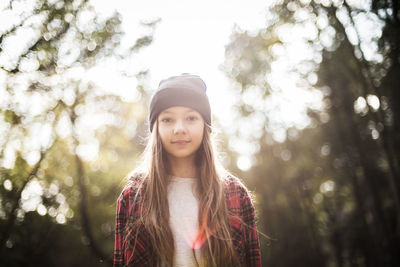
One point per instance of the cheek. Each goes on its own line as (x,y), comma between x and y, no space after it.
(163,135)
(199,135)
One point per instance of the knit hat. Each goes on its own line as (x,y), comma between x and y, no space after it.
(183,90)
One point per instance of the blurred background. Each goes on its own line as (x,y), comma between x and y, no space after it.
(305,95)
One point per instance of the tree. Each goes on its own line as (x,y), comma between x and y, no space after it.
(338,179)
(50,121)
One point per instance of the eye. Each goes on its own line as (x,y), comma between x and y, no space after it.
(166,120)
(192,118)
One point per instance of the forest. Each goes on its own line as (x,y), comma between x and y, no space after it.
(326,193)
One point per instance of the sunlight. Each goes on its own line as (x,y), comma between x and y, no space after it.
(60,218)
(88,151)
(31,196)
(41,209)
(283,84)
(244,163)
(8,185)
(31,200)
(327,187)
(360,106)
(373,102)
(178,47)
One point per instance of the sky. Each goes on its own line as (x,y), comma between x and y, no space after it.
(190,37)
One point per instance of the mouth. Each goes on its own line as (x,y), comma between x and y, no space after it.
(180,142)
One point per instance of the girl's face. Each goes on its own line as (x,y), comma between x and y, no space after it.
(181,131)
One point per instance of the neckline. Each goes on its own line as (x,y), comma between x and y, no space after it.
(181,179)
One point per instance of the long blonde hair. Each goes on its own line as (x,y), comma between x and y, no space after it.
(214,236)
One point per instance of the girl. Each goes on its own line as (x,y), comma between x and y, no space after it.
(181,208)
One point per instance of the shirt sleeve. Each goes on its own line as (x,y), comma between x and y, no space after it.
(120,221)
(252,245)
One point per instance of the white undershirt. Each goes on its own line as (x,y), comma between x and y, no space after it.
(183,208)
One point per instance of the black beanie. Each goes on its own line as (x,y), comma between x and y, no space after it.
(183,90)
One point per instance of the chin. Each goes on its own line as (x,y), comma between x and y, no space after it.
(181,155)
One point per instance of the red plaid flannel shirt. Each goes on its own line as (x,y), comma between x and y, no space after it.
(239,203)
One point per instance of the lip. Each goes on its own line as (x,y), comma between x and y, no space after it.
(180,142)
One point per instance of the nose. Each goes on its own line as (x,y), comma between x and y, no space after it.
(179,127)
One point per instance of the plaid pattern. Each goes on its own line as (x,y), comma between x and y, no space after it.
(242,220)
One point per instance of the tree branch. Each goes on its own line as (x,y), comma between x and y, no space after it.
(11,220)
(86,224)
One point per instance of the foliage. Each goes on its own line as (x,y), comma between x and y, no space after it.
(328,192)
(66,144)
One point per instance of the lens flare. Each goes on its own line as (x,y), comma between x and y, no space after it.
(202,235)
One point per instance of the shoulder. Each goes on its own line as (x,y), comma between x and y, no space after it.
(134,186)
(236,192)
(234,184)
